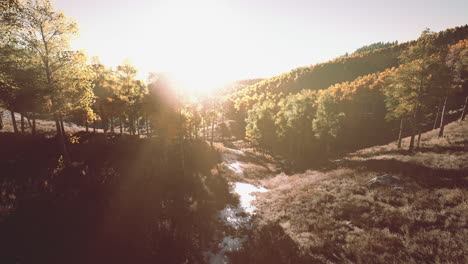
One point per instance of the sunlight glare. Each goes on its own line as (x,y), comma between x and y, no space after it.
(199,42)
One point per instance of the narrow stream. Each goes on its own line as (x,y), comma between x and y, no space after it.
(234,217)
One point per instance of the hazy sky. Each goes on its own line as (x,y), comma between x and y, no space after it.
(236,39)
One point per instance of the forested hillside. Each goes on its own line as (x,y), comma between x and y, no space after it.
(358,101)
(322,75)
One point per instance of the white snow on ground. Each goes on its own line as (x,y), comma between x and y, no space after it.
(237,217)
(236,167)
(245,191)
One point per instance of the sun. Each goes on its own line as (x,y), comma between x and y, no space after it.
(203,44)
(198,82)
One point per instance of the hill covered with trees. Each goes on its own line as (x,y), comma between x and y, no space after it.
(322,75)
(358,101)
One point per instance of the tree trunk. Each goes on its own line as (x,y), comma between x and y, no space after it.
(437,116)
(419,138)
(400,135)
(413,133)
(57,125)
(190,131)
(61,139)
(411,145)
(147,127)
(63,127)
(87,126)
(13,121)
(415,125)
(207,124)
(22,122)
(120,125)
(212,130)
(131,126)
(104,124)
(203,129)
(442,117)
(33,123)
(112,124)
(223,125)
(464,109)
(1,120)
(29,121)
(138,127)
(94,126)
(182,153)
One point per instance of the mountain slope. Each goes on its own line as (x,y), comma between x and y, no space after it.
(322,75)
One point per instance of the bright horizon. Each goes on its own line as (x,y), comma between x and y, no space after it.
(207,43)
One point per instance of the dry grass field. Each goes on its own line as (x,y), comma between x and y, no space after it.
(415,211)
(46,127)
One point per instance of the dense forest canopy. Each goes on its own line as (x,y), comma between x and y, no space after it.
(41,76)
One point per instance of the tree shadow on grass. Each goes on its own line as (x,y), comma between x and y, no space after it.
(268,244)
(422,175)
(463,147)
